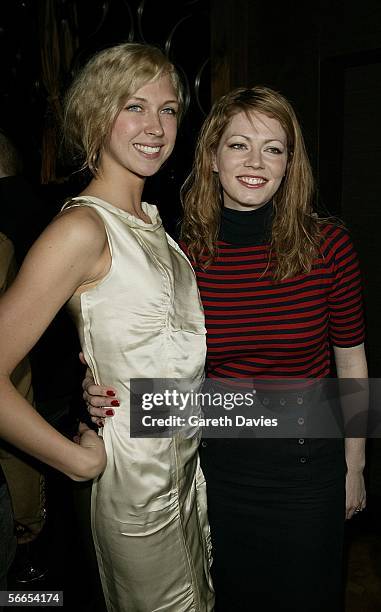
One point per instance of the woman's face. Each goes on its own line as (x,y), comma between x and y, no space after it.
(251,160)
(144,133)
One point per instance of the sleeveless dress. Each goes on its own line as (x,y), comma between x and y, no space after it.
(145,320)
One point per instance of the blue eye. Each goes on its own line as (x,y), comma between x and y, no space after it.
(135,108)
(169,111)
(274,150)
(237,146)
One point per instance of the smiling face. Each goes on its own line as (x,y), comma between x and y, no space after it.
(251,160)
(144,132)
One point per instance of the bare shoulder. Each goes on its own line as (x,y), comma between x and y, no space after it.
(81,220)
(74,230)
(70,248)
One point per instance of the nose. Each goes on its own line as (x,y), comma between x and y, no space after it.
(254,158)
(154,126)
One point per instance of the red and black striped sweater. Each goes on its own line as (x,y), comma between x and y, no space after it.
(260,329)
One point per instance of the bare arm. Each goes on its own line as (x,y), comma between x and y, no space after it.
(68,255)
(351,363)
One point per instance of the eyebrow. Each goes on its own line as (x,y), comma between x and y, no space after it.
(145,100)
(249,138)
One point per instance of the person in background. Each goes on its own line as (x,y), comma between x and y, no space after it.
(25,210)
(33,488)
(7,536)
(18,198)
(280,287)
(25,481)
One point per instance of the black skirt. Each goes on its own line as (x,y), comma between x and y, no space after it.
(277,511)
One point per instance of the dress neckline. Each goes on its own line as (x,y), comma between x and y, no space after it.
(149,209)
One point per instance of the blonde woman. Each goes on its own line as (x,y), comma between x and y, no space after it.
(134,298)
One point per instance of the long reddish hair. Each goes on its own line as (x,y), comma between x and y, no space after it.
(295,229)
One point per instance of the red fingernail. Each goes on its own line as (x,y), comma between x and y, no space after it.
(115,403)
(109,412)
(110,393)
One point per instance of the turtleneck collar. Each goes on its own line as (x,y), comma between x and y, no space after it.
(246,227)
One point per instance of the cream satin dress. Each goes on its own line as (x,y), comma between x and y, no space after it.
(145,320)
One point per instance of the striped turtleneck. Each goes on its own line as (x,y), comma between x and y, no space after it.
(257,328)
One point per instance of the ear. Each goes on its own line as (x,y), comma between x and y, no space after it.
(214,163)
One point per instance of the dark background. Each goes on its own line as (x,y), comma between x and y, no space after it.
(325,56)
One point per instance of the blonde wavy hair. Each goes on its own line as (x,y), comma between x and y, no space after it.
(100,90)
(295,229)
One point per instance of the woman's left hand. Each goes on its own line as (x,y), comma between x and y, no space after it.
(355,493)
